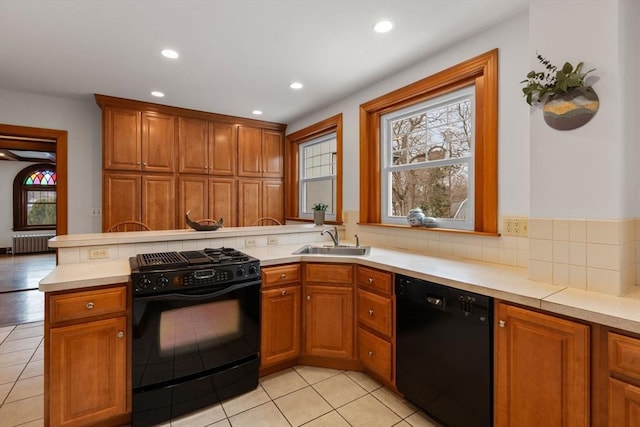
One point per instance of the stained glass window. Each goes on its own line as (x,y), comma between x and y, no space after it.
(35,196)
(41,177)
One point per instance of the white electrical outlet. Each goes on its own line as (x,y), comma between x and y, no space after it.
(272,241)
(95,212)
(249,242)
(98,253)
(515,226)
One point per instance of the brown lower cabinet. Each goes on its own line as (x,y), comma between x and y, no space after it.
(542,370)
(624,380)
(86,368)
(281,314)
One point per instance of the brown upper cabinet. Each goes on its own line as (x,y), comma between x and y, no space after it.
(260,153)
(206,147)
(138,141)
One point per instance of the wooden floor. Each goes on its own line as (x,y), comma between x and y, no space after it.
(20,300)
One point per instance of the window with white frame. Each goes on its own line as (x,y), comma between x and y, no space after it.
(317,180)
(427,160)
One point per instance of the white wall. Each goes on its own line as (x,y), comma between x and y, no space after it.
(580,173)
(511,38)
(8,171)
(83,122)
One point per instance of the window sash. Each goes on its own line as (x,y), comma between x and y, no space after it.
(305,203)
(388,168)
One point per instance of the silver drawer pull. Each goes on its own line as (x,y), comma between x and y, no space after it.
(120,334)
(502,323)
(370,354)
(370,280)
(308,297)
(370,312)
(89,305)
(283,276)
(284,293)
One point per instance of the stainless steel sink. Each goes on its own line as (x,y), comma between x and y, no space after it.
(334,250)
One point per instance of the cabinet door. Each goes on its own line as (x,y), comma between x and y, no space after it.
(222,149)
(121,198)
(87,372)
(273,199)
(249,151)
(158,142)
(329,324)
(193,197)
(280,325)
(624,404)
(158,202)
(121,145)
(249,201)
(192,140)
(222,200)
(272,154)
(542,370)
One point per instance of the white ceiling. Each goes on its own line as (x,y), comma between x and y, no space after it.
(236,55)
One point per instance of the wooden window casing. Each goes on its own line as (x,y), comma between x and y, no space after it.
(481,71)
(292,169)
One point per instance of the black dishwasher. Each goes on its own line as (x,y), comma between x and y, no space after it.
(444,351)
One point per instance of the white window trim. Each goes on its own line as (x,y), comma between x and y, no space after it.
(302,180)
(386,168)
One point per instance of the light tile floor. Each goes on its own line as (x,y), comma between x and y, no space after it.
(300,396)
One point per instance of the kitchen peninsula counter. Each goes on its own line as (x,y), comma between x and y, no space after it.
(502,282)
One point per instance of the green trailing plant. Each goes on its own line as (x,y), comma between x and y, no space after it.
(540,84)
(320,207)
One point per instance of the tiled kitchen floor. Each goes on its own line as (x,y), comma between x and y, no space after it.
(303,395)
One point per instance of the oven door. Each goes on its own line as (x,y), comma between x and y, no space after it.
(203,343)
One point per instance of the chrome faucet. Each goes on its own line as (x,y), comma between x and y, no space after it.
(334,236)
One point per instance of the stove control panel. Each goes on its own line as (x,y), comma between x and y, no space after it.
(150,282)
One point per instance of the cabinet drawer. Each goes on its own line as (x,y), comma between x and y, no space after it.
(624,355)
(374,353)
(375,311)
(79,305)
(374,279)
(280,275)
(329,273)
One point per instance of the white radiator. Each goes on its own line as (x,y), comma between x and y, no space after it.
(31,243)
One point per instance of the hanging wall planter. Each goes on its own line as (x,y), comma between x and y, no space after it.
(570,110)
(568,101)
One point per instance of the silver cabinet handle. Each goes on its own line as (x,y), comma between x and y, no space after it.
(370,312)
(308,297)
(89,305)
(284,293)
(144,164)
(283,276)
(502,323)
(370,354)
(120,334)
(370,280)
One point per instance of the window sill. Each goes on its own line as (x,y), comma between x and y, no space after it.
(437,230)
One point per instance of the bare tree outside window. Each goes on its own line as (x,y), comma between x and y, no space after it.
(429,160)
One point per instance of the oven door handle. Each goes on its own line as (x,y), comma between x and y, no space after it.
(191,296)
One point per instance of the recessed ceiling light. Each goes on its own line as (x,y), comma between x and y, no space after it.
(169,53)
(256,112)
(157,94)
(382,26)
(296,85)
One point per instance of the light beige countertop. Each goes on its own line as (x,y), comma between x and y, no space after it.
(506,283)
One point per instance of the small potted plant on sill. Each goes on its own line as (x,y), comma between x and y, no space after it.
(568,101)
(318,213)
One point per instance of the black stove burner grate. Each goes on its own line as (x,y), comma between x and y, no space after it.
(163,260)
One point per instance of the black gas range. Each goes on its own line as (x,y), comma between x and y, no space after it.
(195,331)
(160,272)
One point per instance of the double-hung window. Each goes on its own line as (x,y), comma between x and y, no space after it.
(427,160)
(318,171)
